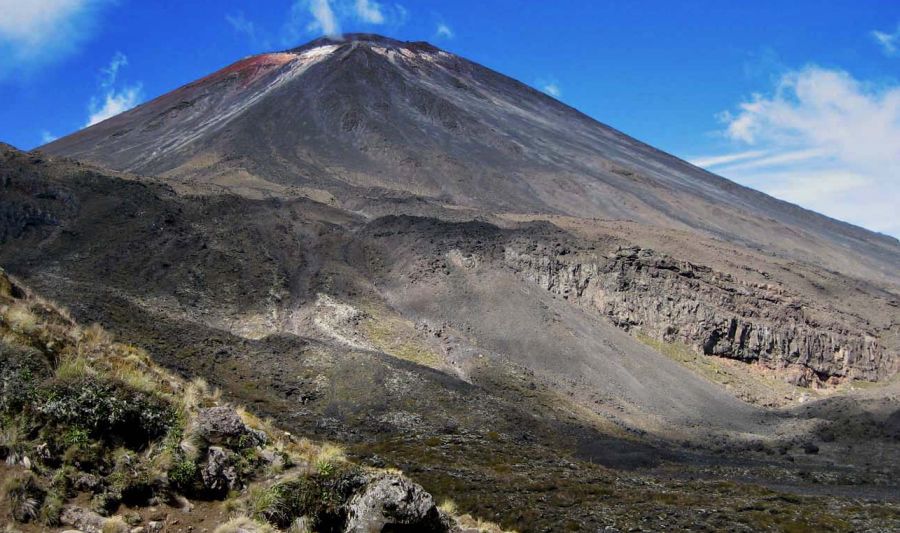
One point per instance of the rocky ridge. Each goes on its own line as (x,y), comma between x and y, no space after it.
(678,301)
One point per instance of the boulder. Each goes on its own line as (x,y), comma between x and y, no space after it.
(219,475)
(82,519)
(223,426)
(389,501)
(87,483)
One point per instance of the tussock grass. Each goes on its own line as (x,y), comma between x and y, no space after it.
(244,524)
(448,506)
(24,496)
(115,524)
(20,318)
(75,368)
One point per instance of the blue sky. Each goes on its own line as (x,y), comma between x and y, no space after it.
(799,99)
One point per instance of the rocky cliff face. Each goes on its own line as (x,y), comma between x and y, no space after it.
(673,300)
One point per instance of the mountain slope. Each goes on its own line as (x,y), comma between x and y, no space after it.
(370,115)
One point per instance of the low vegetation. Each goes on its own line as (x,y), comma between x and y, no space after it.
(89,419)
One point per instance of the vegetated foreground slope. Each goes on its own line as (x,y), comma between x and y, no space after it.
(369,115)
(87,419)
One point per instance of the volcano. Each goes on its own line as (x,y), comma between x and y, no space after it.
(385,244)
(371,115)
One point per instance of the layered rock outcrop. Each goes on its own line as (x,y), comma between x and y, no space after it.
(678,301)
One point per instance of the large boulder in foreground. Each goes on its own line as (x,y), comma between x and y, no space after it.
(391,503)
(223,426)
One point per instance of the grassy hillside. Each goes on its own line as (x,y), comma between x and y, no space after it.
(96,436)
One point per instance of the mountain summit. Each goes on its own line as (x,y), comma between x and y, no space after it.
(372,115)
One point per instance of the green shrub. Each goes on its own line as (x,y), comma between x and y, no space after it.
(21,369)
(184,474)
(76,436)
(107,410)
(319,497)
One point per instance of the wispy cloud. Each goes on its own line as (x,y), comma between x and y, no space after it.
(34,33)
(113,100)
(443,31)
(257,37)
(47,137)
(889,42)
(241,25)
(323,18)
(822,139)
(716,160)
(111,72)
(328,17)
(550,86)
(369,11)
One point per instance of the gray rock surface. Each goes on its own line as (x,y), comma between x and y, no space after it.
(82,519)
(219,473)
(222,425)
(674,300)
(389,501)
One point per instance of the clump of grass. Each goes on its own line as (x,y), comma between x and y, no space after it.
(115,524)
(244,524)
(11,443)
(52,509)
(331,453)
(24,495)
(75,369)
(301,525)
(448,507)
(268,503)
(20,319)
(319,496)
(468,522)
(93,337)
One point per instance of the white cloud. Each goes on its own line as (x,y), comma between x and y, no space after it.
(37,32)
(113,101)
(712,161)
(47,137)
(324,19)
(775,159)
(257,36)
(241,25)
(369,11)
(821,139)
(111,72)
(329,16)
(552,88)
(889,42)
(443,31)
